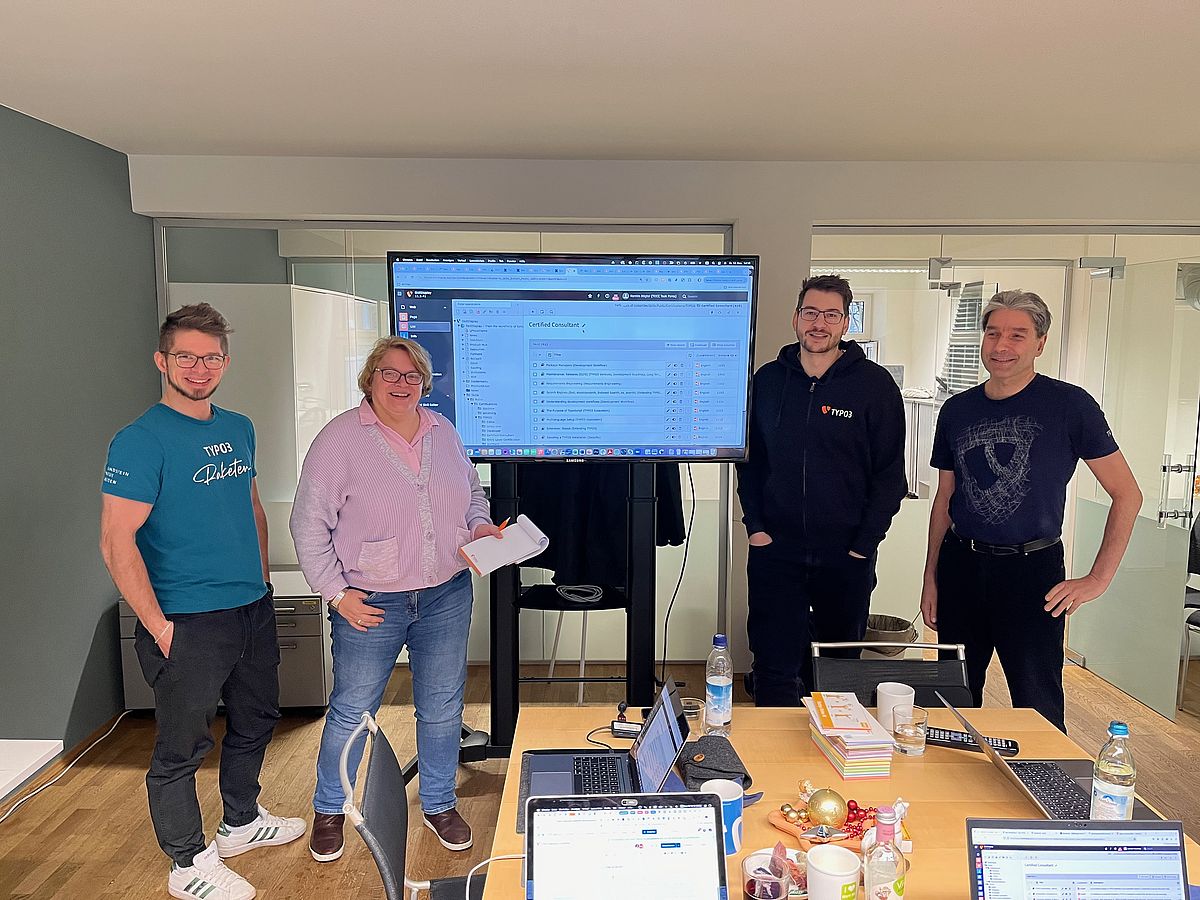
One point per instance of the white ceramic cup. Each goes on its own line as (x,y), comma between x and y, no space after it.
(832,873)
(889,695)
(730,793)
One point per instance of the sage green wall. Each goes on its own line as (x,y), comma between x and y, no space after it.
(78,323)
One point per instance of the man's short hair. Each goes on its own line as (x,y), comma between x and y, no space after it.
(196,317)
(833,283)
(418,354)
(1026,302)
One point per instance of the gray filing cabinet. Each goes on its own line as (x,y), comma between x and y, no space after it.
(305,656)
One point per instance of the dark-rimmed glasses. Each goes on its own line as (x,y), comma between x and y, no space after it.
(212,361)
(810,314)
(393,376)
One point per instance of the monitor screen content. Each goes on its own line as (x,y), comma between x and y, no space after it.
(552,358)
(665,852)
(1040,864)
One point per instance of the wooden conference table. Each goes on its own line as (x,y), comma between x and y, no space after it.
(944,786)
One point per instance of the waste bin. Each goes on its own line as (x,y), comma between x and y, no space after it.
(889,628)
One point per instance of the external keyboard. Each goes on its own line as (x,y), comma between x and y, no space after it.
(1058,792)
(961,740)
(597,775)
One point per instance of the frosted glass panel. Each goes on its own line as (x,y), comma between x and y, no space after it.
(1130,635)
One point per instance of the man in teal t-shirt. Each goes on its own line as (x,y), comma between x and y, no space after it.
(184,537)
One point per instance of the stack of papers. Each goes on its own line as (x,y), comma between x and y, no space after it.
(849,736)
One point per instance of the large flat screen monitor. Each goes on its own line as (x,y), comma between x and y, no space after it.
(562,358)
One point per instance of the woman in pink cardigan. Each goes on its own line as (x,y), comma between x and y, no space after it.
(386,498)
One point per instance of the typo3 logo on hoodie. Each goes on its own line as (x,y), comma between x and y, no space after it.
(840,413)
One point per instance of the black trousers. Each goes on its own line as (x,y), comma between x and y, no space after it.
(997,604)
(796,597)
(230,655)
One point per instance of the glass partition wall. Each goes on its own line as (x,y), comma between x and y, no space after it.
(307,302)
(1126,310)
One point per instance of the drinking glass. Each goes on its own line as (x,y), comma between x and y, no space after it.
(909,725)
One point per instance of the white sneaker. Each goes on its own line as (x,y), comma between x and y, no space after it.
(207,878)
(265,831)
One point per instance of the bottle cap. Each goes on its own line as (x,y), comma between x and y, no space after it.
(1118,729)
(885,815)
(720,641)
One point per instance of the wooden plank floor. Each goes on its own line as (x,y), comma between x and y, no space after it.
(90,834)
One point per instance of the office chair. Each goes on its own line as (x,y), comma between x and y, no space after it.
(924,676)
(1191,626)
(383,821)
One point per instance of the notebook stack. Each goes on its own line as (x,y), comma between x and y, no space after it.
(849,736)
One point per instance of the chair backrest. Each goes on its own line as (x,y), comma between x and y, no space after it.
(383,820)
(924,676)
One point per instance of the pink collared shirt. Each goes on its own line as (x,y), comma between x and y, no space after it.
(409,451)
(365,518)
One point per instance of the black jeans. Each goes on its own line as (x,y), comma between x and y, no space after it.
(997,604)
(230,655)
(796,597)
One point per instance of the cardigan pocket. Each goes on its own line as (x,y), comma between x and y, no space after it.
(380,560)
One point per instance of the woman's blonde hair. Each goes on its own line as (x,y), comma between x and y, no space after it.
(417,353)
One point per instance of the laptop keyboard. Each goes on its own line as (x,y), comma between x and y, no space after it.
(1057,791)
(597,775)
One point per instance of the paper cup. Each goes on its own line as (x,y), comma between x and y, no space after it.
(889,695)
(832,873)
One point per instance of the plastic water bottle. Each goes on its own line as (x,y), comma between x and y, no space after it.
(883,865)
(718,688)
(1113,776)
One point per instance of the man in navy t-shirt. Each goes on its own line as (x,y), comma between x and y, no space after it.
(994,574)
(184,537)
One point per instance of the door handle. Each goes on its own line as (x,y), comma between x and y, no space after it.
(290,645)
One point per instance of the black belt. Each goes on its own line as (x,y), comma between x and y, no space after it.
(1007,549)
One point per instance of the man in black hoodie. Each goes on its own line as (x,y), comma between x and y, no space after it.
(823,479)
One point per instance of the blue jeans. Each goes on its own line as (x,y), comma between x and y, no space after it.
(433,623)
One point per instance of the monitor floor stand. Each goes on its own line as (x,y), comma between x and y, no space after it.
(506,591)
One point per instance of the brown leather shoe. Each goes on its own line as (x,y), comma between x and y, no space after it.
(326,843)
(451,829)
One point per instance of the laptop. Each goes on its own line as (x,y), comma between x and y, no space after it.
(664,846)
(1034,858)
(1060,788)
(643,768)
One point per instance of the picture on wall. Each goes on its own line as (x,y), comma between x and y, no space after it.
(858,318)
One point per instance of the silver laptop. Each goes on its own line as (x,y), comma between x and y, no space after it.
(1060,788)
(1034,858)
(660,846)
(642,768)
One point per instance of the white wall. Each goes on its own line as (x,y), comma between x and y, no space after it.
(772,206)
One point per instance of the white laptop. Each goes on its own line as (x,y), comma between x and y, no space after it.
(660,846)
(1014,859)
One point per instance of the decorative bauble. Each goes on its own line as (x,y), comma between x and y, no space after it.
(826,807)
(793,816)
(803,815)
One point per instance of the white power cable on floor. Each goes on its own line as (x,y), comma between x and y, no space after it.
(478,866)
(12,809)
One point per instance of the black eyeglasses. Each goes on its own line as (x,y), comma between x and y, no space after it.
(188,360)
(810,314)
(393,376)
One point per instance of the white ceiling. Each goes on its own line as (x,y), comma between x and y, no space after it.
(614,79)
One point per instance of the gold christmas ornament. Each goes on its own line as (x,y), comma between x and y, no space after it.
(803,815)
(826,807)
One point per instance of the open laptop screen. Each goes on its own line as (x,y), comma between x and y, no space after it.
(669,847)
(1016,859)
(660,740)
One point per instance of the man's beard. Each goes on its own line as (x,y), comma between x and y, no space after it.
(193,393)
(831,343)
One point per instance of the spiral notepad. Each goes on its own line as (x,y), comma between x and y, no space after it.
(522,540)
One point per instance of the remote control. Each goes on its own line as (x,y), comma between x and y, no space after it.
(961,740)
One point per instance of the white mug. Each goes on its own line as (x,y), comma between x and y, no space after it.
(832,873)
(889,695)
(730,793)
